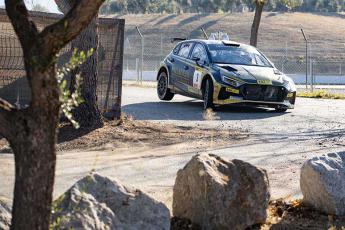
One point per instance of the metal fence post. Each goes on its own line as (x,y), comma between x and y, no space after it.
(142,58)
(340,69)
(306,59)
(312,76)
(137,68)
(161,53)
(142,53)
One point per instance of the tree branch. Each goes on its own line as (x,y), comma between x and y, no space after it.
(56,36)
(25,29)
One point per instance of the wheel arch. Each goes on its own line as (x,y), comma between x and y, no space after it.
(163,69)
(203,83)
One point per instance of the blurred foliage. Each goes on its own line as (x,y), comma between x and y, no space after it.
(217,6)
(70,100)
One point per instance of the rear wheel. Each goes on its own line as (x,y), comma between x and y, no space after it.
(163,91)
(208,94)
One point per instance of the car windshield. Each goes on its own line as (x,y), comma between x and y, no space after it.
(238,55)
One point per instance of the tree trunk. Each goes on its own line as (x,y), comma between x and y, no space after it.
(88,114)
(256,23)
(35,157)
(31,132)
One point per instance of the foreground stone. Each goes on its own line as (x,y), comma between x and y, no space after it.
(5,214)
(323,183)
(96,202)
(219,194)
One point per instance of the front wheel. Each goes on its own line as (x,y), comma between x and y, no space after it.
(162,88)
(208,95)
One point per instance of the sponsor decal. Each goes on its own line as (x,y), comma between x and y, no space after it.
(264,82)
(197,68)
(232,90)
(197,78)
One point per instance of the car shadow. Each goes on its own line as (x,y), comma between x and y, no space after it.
(192,111)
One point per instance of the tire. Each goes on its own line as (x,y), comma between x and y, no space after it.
(163,91)
(281,110)
(208,95)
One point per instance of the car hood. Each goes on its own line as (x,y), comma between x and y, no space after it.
(253,74)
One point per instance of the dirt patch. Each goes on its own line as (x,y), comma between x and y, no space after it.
(291,215)
(131,133)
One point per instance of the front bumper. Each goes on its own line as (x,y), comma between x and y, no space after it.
(224,95)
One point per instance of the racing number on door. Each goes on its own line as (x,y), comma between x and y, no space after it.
(197,79)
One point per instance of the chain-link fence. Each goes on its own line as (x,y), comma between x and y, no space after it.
(144,54)
(13,83)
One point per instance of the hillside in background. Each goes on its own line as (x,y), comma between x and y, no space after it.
(218,6)
(279,35)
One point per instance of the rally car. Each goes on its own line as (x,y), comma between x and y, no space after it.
(224,72)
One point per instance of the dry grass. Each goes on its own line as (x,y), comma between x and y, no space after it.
(322,94)
(144,84)
(325,29)
(283,214)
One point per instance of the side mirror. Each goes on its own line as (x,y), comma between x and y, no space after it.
(197,61)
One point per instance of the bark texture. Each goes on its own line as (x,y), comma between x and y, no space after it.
(87,114)
(256,22)
(31,132)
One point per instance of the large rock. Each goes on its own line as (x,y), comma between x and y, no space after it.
(323,183)
(219,194)
(5,214)
(96,202)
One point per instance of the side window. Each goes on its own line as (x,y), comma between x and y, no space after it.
(185,49)
(200,52)
(176,49)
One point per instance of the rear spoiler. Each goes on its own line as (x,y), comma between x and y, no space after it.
(178,39)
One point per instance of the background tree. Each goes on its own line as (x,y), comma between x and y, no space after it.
(256,22)
(31,132)
(39,7)
(86,114)
(288,5)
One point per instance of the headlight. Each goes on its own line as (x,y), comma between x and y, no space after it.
(230,81)
(289,84)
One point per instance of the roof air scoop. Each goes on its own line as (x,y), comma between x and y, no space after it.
(229,68)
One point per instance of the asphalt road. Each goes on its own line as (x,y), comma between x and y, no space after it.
(278,142)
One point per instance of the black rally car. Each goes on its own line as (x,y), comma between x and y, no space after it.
(224,72)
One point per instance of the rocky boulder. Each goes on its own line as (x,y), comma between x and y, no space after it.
(323,183)
(5,214)
(96,202)
(215,193)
